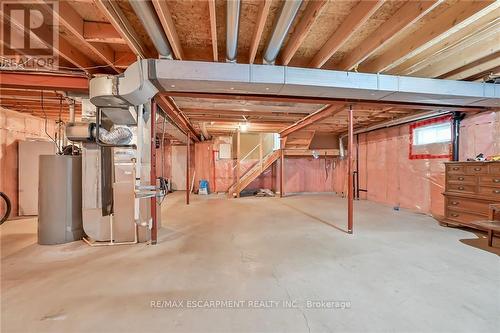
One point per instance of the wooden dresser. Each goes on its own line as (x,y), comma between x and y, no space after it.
(469,189)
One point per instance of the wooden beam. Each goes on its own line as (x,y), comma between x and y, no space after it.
(327,111)
(118,19)
(168,25)
(411,12)
(73,22)
(213,28)
(307,19)
(170,108)
(462,16)
(356,18)
(259,28)
(101,32)
(44,81)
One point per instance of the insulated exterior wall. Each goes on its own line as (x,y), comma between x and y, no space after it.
(15,127)
(392,178)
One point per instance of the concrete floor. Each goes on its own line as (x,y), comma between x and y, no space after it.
(399,272)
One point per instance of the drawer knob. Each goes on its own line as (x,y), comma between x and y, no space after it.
(454,203)
(461,178)
(455,168)
(496,191)
(461,187)
(454,215)
(496,180)
(477,169)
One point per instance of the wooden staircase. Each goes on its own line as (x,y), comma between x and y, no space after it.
(253,173)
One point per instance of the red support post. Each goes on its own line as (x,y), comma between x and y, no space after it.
(154,227)
(350,189)
(282,168)
(188,162)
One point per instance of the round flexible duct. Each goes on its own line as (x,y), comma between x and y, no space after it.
(119,135)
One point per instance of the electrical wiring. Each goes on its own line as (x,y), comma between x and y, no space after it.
(46,119)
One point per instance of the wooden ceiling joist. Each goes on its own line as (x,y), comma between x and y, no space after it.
(404,17)
(327,111)
(357,17)
(117,18)
(259,28)
(170,108)
(307,19)
(168,25)
(63,48)
(464,17)
(465,52)
(73,22)
(213,29)
(101,32)
(484,65)
(322,100)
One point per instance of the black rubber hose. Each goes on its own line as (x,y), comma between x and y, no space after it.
(8,205)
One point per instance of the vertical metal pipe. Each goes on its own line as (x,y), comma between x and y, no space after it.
(350,195)
(238,152)
(188,162)
(455,138)
(154,227)
(232,28)
(282,168)
(357,166)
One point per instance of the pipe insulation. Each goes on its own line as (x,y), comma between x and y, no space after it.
(281,27)
(146,13)
(118,135)
(232,28)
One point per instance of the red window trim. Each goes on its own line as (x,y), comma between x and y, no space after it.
(422,123)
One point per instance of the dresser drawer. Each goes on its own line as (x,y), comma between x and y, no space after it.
(455,169)
(461,179)
(493,192)
(472,206)
(495,168)
(490,180)
(476,169)
(463,217)
(461,188)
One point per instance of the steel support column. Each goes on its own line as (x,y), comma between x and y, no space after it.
(154,217)
(188,166)
(350,190)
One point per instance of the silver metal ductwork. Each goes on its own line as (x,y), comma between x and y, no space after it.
(144,78)
(283,24)
(232,28)
(146,13)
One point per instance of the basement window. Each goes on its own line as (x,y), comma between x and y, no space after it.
(432,134)
(430,138)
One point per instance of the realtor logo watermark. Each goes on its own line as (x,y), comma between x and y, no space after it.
(249,304)
(30,35)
